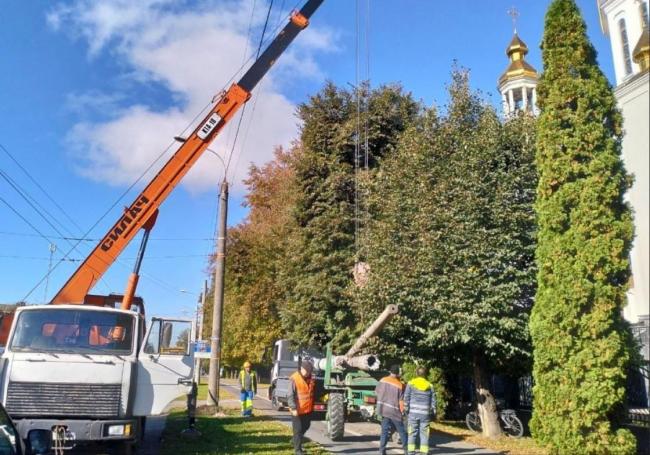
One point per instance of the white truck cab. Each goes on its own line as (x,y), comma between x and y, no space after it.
(90,373)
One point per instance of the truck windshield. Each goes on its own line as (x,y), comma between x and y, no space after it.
(73,331)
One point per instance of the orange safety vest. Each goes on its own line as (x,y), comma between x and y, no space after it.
(304,394)
(397,383)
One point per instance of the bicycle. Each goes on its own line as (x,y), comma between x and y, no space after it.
(510,423)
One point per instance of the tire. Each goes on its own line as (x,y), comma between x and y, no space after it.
(513,427)
(473,422)
(336,416)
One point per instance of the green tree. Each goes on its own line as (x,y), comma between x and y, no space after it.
(452,241)
(585,232)
(322,252)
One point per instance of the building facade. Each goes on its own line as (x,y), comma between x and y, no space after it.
(625,22)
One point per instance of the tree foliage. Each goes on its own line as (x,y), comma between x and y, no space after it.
(255,250)
(452,238)
(321,251)
(585,233)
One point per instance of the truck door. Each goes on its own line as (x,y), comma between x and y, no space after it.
(165,365)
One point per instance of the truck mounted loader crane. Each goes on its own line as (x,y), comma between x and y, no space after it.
(82,368)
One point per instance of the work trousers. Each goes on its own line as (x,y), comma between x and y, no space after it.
(300,424)
(418,428)
(387,427)
(246,399)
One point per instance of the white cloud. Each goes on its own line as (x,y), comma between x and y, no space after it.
(192,51)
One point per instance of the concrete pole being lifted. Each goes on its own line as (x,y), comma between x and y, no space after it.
(217,310)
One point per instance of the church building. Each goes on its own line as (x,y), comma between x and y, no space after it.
(625,22)
(518,84)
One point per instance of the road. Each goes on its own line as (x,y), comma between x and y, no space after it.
(360,437)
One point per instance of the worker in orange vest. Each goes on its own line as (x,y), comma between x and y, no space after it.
(390,406)
(301,402)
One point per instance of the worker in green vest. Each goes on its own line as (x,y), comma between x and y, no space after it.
(248,389)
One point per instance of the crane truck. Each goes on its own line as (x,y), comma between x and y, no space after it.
(83,368)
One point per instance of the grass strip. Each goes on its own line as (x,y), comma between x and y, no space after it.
(230,435)
(223,393)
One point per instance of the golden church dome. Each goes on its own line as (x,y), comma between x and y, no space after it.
(518,67)
(642,50)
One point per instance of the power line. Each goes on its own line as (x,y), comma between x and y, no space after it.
(31,200)
(45,258)
(38,185)
(40,234)
(28,197)
(257,54)
(24,195)
(137,180)
(241,117)
(92,239)
(251,117)
(153,163)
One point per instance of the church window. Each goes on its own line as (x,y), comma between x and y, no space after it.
(627,59)
(643,10)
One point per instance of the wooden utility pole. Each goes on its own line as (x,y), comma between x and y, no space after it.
(217,311)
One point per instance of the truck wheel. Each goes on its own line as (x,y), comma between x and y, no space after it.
(336,416)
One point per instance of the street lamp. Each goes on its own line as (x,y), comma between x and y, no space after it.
(183,139)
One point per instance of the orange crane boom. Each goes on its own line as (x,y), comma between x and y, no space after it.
(146,204)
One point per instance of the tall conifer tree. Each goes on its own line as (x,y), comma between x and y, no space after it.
(585,232)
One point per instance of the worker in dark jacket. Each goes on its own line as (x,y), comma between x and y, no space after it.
(420,407)
(301,402)
(248,389)
(390,406)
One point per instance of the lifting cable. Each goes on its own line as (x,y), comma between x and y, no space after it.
(362,90)
(357,33)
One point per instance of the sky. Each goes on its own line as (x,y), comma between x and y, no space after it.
(92,93)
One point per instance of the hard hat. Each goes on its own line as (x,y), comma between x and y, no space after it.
(247,364)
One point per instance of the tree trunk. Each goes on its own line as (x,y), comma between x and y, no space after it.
(487,406)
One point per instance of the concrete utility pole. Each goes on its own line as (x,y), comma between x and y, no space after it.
(200,317)
(217,312)
(204,296)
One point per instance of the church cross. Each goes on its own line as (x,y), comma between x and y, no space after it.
(514,14)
